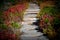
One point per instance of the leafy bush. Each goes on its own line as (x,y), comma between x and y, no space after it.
(48,10)
(47,15)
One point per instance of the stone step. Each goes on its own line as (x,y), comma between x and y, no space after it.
(32,11)
(32,34)
(30,15)
(28,27)
(28,12)
(40,37)
(30,31)
(33,6)
(31,19)
(28,22)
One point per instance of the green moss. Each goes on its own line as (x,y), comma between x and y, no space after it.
(15,25)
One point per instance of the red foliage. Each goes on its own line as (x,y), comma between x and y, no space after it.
(20,7)
(12,9)
(42,21)
(7,22)
(6,13)
(7,35)
(17,9)
(48,16)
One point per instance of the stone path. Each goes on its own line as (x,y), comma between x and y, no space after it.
(29,32)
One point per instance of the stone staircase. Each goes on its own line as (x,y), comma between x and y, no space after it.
(28,28)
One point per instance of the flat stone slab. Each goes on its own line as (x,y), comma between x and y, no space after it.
(32,34)
(26,27)
(35,38)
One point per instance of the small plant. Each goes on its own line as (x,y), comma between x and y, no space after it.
(48,10)
(16,25)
